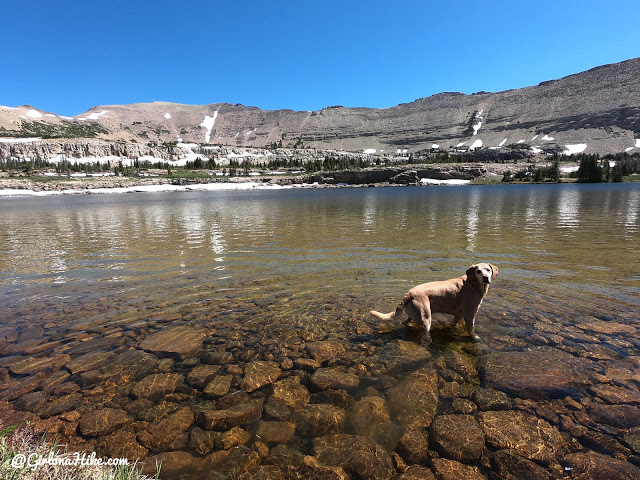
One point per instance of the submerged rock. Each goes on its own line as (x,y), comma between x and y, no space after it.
(538,373)
(161,433)
(358,456)
(231,417)
(319,419)
(594,466)
(415,400)
(370,418)
(457,437)
(514,467)
(446,469)
(102,422)
(524,434)
(260,373)
(175,342)
(334,379)
(157,385)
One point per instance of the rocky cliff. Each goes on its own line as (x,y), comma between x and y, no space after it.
(597,111)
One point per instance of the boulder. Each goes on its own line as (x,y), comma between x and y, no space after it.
(370,418)
(157,385)
(175,342)
(319,419)
(457,437)
(290,392)
(161,433)
(414,401)
(231,417)
(522,433)
(276,432)
(538,373)
(334,379)
(358,456)
(594,466)
(259,374)
(446,469)
(102,422)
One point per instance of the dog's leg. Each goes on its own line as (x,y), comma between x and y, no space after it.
(469,324)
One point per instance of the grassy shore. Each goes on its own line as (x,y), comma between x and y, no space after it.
(26,456)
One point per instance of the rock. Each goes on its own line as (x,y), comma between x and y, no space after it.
(514,467)
(216,358)
(231,417)
(489,399)
(31,365)
(632,437)
(446,469)
(457,437)
(276,432)
(408,177)
(413,447)
(556,373)
(160,434)
(202,441)
(122,443)
(233,438)
(237,463)
(258,374)
(325,350)
(615,395)
(22,387)
(358,456)
(175,342)
(415,400)
(201,375)
(132,364)
(594,466)
(61,404)
(417,473)
(524,434)
(322,472)
(157,385)
(620,416)
(370,418)
(290,392)
(603,443)
(218,386)
(102,422)
(90,361)
(30,402)
(332,379)
(314,420)
(172,464)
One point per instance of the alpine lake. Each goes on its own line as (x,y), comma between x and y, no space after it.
(226,334)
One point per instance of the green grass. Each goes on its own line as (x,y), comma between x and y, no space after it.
(22,443)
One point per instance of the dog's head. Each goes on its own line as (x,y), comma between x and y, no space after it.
(482,273)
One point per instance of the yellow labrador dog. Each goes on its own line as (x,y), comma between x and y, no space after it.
(460,297)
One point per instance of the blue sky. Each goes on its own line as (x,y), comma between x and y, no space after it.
(68,56)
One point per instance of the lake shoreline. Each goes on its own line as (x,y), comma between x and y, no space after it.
(441,174)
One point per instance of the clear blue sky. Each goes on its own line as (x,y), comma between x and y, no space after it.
(67,56)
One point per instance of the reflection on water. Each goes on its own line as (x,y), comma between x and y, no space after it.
(274,289)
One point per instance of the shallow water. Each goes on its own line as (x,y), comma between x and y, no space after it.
(276,275)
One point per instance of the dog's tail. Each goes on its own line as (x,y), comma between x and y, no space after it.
(396,312)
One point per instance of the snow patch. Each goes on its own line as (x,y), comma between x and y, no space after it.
(461,144)
(19,140)
(548,138)
(34,114)
(435,146)
(476,144)
(476,127)
(502,142)
(575,148)
(208,123)
(536,150)
(8,108)
(534,137)
(638,143)
(167,115)
(569,169)
(369,151)
(433,181)
(96,116)
(520,141)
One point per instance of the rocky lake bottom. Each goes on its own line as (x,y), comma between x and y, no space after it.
(273,370)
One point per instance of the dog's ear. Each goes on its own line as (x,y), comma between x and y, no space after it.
(494,270)
(471,273)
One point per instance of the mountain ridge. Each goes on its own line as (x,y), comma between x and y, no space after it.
(595,111)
